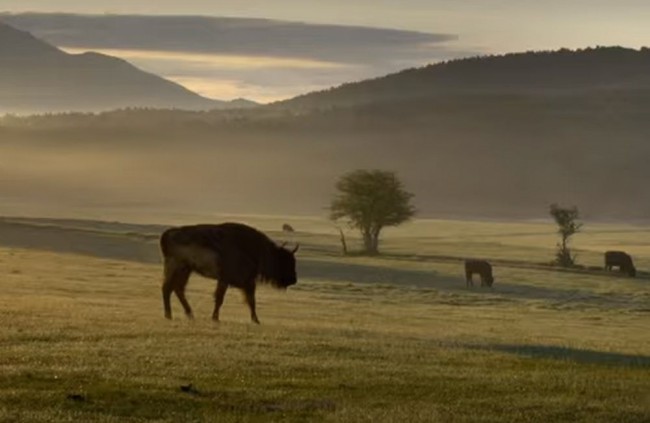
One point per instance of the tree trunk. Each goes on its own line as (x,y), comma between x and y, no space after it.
(344,245)
(375,241)
(564,257)
(369,242)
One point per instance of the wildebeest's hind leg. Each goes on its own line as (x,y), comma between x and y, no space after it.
(175,274)
(219,294)
(249,294)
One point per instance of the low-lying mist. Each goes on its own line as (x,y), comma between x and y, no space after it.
(467,160)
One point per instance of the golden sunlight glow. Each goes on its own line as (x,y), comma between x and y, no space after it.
(223,61)
(226,89)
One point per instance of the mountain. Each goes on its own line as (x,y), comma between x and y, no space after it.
(38,77)
(499,137)
(563,72)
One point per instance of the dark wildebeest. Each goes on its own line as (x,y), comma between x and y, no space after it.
(620,259)
(483,268)
(232,253)
(287,228)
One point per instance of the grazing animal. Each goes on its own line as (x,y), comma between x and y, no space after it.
(483,268)
(287,228)
(620,259)
(232,253)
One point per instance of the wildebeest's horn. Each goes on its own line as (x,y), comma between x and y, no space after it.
(295,249)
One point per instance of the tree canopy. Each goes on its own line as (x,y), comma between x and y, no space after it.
(371,200)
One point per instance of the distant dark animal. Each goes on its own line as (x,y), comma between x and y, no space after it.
(76,397)
(189,389)
(483,268)
(287,228)
(232,253)
(620,259)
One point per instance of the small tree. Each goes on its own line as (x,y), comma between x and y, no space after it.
(566,219)
(371,200)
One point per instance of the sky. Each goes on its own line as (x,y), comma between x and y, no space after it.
(290,53)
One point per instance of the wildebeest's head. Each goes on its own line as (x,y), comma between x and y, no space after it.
(286,267)
(489,280)
(631,271)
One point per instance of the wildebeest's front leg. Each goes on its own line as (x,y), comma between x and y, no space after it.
(468,279)
(249,294)
(219,294)
(176,275)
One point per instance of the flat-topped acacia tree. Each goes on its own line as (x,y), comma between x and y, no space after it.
(371,200)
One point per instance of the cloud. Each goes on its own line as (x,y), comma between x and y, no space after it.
(230,36)
(242,55)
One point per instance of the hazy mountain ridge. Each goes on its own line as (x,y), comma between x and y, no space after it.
(36,77)
(562,72)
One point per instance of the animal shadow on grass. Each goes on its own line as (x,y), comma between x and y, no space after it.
(368,274)
(294,406)
(572,354)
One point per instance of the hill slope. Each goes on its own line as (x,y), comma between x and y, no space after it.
(562,72)
(37,77)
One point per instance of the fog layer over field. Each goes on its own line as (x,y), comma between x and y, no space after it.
(456,166)
(224,175)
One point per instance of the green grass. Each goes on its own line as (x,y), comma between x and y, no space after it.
(394,338)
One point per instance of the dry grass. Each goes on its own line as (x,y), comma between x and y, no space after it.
(358,339)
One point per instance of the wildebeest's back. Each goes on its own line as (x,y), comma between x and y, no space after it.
(229,251)
(616,258)
(478,266)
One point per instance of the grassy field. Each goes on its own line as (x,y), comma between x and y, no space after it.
(393,338)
